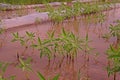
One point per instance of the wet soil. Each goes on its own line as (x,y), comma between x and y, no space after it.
(68,70)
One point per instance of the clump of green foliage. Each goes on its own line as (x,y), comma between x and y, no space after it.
(113,51)
(66,44)
(114,58)
(31,1)
(65,12)
(114,31)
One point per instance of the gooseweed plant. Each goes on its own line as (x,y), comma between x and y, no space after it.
(25,64)
(113,54)
(41,77)
(101,18)
(66,44)
(24,40)
(55,15)
(3,68)
(65,12)
(114,31)
(113,51)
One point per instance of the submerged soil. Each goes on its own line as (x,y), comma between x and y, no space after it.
(68,70)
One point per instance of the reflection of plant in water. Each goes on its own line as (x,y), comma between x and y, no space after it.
(24,40)
(41,77)
(3,68)
(87,49)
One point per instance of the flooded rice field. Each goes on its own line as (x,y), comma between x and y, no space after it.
(89,65)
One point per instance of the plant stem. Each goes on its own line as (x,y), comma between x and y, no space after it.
(115,76)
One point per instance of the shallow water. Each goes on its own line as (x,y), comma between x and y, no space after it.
(67,70)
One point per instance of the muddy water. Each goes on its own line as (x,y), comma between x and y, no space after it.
(68,70)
